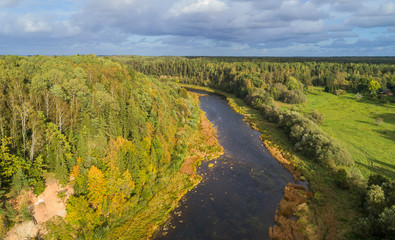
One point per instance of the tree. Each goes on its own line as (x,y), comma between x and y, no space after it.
(373,87)
(375,199)
(97,185)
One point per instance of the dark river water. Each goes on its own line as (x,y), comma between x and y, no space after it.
(238,196)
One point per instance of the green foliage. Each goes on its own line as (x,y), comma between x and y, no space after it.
(115,135)
(341,178)
(387,221)
(293,84)
(379,209)
(317,117)
(340,92)
(293,97)
(36,173)
(374,87)
(377,179)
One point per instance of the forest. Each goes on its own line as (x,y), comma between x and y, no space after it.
(117,131)
(292,94)
(117,137)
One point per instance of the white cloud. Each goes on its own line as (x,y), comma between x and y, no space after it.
(388,8)
(30,24)
(200,6)
(303,26)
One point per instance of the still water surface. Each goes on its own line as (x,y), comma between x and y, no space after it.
(238,196)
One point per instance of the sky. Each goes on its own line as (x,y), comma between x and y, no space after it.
(198,27)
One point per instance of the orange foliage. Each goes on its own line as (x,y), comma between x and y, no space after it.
(75,172)
(287,227)
(97,186)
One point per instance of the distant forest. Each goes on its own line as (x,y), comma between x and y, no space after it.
(366,75)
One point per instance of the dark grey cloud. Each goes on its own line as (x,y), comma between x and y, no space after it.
(241,26)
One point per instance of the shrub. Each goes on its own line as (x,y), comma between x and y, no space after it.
(341,178)
(384,99)
(379,121)
(293,97)
(375,200)
(377,179)
(183,93)
(277,90)
(258,98)
(293,84)
(317,117)
(339,92)
(356,177)
(387,221)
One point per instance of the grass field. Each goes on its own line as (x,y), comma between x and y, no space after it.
(353,124)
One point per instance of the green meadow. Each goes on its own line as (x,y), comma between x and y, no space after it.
(354,124)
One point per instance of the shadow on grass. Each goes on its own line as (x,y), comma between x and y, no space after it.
(370,123)
(387,117)
(379,170)
(366,100)
(385,164)
(390,135)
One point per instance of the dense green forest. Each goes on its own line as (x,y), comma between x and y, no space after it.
(279,90)
(116,136)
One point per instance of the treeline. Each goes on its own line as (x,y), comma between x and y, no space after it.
(115,135)
(240,77)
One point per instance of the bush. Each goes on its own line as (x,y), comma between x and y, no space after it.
(387,221)
(310,140)
(183,93)
(375,200)
(377,179)
(317,117)
(277,90)
(293,97)
(293,84)
(356,177)
(339,92)
(258,98)
(379,121)
(341,178)
(384,99)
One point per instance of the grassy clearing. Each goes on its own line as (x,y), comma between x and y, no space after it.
(353,124)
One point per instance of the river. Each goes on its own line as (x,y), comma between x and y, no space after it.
(239,194)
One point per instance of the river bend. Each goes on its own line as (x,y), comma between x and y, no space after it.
(238,196)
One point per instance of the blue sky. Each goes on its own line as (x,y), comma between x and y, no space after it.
(198,27)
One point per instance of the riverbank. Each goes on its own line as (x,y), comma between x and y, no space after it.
(202,146)
(331,211)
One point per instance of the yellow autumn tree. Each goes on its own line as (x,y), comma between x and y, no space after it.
(97,186)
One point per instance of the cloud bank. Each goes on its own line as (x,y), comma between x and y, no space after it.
(198,27)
